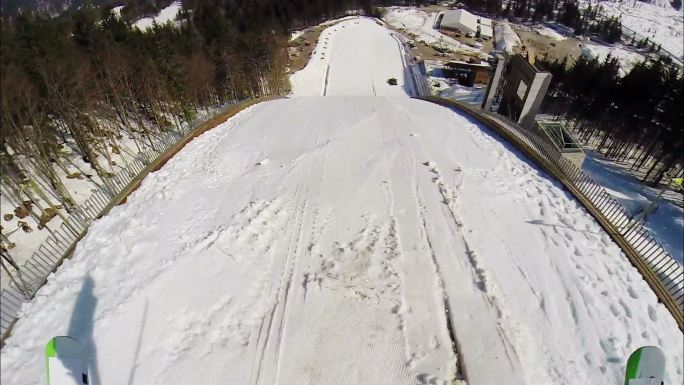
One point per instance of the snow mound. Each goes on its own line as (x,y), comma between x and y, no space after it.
(504,37)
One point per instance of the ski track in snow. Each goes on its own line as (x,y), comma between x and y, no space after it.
(383,235)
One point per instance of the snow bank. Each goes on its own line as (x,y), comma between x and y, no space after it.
(504,37)
(166,15)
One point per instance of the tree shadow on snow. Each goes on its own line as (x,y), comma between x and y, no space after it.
(81,326)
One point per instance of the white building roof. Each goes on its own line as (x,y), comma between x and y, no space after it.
(466,22)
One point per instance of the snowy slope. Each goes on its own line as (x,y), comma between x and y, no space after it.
(659,22)
(627,57)
(322,240)
(166,15)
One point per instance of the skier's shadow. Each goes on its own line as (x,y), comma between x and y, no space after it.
(81,326)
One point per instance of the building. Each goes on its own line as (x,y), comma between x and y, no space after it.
(468,74)
(466,23)
(524,90)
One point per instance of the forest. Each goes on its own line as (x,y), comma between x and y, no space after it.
(636,118)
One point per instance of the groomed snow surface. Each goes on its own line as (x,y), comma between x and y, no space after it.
(335,262)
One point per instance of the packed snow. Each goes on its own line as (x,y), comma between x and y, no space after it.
(382,232)
(421,24)
(626,56)
(166,15)
(659,22)
(504,37)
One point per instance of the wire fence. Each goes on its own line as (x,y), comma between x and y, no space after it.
(667,271)
(33,273)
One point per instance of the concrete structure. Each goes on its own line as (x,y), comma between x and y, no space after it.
(563,141)
(468,74)
(499,64)
(524,91)
(466,23)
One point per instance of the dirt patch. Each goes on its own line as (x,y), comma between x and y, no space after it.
(23,211)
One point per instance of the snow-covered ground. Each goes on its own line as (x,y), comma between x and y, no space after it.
(421,24)
(166,15)
(626,56)
(379,229)
(666,223)
(658,21)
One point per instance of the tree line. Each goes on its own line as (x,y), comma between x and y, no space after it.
(86,81)
(635,118)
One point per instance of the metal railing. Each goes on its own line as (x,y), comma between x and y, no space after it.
(662,271)
(33,273)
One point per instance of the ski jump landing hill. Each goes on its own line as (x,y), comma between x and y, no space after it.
(362,237)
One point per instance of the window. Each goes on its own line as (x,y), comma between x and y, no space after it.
(522,89)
